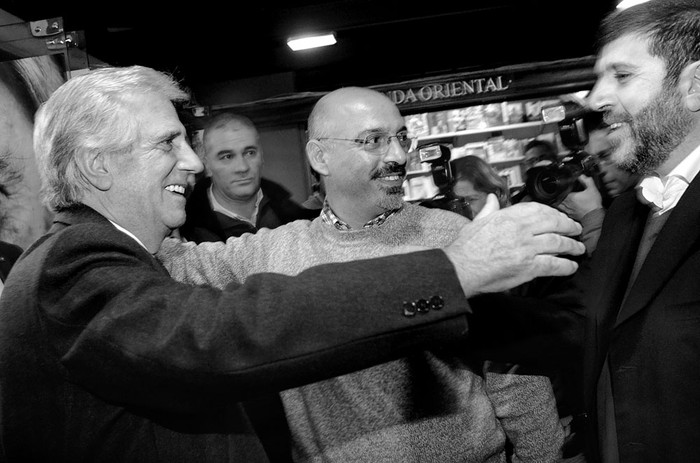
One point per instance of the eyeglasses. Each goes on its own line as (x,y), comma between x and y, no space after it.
(378,143)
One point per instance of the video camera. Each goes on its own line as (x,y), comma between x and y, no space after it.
(550,184)
(438,156)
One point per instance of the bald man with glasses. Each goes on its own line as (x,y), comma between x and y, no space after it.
(437,405)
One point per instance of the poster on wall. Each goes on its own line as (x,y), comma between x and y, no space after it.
(31,68)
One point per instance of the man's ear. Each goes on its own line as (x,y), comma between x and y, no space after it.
(690,79)
(317,156)
(96,169)
(207,170)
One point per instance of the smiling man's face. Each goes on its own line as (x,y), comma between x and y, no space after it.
(149,184)
(362,183)
(646,116)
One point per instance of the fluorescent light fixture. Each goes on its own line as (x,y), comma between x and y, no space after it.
(312,41)
(628,3)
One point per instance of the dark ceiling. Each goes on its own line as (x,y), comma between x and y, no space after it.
(378,41)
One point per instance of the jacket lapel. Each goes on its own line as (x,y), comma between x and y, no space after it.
(614,257)
(676,238)
(612,264)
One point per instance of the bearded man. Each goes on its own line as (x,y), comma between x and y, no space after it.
(643,333)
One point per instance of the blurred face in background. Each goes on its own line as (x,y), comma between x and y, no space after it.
(538,156)
(614,179)
(23,218)
(475,198)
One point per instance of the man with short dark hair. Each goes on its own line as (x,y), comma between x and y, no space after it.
(234,198)
(643,346)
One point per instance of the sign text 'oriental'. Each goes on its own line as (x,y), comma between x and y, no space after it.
(448,90)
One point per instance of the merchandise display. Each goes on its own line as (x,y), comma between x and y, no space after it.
(495,132)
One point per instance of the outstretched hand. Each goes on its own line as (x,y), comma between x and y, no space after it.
(508,247)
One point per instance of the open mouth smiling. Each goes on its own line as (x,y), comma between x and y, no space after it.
(178,189)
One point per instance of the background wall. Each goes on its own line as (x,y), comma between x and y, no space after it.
(285,159)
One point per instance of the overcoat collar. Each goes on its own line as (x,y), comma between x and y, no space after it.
(75,215)
(81,214)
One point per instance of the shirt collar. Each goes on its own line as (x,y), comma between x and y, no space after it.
(688,167)
(217,207)
(662,194)
(122,229)
(329,217)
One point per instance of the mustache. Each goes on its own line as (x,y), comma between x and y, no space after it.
(391,168)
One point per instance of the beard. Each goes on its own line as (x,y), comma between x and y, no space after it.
(392,199)
(654,133)
(393,196)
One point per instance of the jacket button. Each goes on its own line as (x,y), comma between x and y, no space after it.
(409,309)
(422,306)
(436,303)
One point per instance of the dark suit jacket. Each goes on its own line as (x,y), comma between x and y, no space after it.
(103,357)
(9,253)
(203,224)
(654,342)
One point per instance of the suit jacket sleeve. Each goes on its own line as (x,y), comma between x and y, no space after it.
(124,330)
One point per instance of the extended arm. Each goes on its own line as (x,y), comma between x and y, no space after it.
(127,332)
(496,253)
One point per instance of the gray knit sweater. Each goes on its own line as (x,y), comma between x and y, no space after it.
(431,407)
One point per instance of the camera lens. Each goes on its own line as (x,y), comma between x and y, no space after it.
(550,184)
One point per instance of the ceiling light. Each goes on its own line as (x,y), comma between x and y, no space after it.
(312,41)
(628,3)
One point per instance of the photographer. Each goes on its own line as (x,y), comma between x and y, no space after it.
(613,180)
(589,205)
(503,322)
(475,179)
(539,152)
(573,183)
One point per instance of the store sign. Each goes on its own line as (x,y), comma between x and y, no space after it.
(448,90)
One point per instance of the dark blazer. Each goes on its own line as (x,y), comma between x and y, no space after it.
(9,253)
(653,342)
(203,224)
(103,357)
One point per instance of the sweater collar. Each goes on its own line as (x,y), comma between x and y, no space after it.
(329,217)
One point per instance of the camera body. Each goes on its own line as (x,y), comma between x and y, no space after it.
(550,184)
(438,156)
